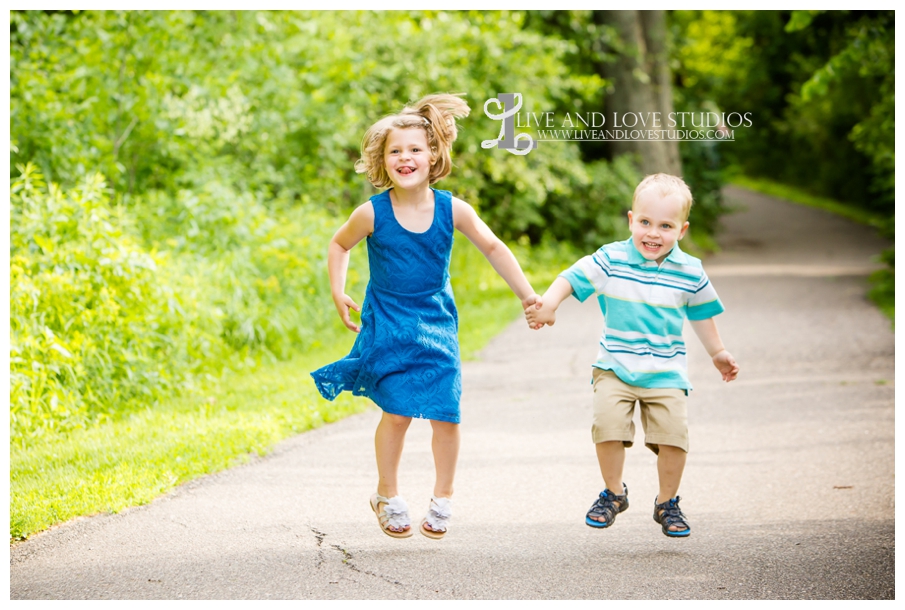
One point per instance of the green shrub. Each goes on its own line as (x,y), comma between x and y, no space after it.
(92,327)
(101,324)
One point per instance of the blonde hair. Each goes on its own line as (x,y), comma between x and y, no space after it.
(436,114)
(666,184)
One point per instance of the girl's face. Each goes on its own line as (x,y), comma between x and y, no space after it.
(407,158)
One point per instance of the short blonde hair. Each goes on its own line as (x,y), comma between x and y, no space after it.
(436,114)
(666,184)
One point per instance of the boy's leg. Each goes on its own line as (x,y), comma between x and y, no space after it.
(611,458)
(670,466)
(612,430)
(388,442)
(664,415)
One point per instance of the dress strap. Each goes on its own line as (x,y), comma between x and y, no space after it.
(443,211)
(382,206)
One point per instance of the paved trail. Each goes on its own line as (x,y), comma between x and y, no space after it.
(789,486)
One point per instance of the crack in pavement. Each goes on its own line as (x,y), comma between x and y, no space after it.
(319,536)
(347,561)
(347,558)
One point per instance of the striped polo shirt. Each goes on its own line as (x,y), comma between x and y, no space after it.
(644,306)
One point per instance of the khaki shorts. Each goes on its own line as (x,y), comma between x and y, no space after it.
(664,413)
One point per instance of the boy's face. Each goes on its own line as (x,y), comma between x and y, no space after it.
(657,223)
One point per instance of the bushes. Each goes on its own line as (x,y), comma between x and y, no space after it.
(91,327)
(101,324)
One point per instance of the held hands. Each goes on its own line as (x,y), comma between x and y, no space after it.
(726,365)
(532,303)
(539,315)
(532,299)
(343,303)
(544,311)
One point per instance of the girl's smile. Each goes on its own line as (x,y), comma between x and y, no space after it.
(407,158)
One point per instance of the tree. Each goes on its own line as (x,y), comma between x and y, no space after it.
(641,83)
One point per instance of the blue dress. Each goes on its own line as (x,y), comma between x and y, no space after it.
(406,357)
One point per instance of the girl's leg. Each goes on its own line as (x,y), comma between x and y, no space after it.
(388,442)
(445,445)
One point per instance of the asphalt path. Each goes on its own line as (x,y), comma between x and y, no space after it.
(789,486)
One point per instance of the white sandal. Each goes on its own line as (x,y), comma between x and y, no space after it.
(437,518)
(395,513)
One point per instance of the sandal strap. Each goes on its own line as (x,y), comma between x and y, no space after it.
(439,513)
(395,513)
(670,514)
(605,505)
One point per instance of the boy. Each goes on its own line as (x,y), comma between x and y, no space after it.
(646,287)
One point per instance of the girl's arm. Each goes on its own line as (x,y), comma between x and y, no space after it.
(466,220)
(710,337)
(359,226)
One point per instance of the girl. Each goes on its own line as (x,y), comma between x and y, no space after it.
(406,355)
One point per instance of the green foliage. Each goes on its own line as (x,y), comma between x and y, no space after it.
(883,289)
(820,86)
(709,50)
(101,324)
(703,172)
(259,274)
(275,103)
(867,60)
(611,184)
(91,326)
(800,20)
(594,213)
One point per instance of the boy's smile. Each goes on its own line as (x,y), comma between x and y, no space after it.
(407,157)
(657,223)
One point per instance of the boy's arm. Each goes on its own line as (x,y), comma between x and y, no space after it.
(710,338)
(558,292)
(466,220)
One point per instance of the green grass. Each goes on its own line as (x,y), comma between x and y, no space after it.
(133,459)
(883,285)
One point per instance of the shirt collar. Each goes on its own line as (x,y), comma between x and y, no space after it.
(636,258)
